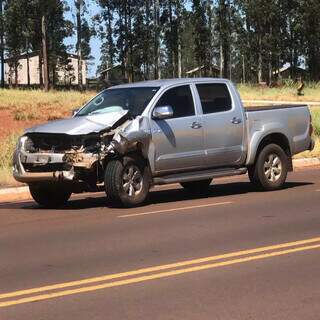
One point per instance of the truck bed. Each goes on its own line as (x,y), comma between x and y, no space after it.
(274,107)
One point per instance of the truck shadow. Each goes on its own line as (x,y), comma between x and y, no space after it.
(158,196)
(215,191)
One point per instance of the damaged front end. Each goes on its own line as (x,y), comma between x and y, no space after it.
(78,159)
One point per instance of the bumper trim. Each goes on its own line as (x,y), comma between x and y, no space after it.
(28,177)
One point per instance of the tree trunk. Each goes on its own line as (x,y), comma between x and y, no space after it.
(260,58)
(28,64)
(40,69)
(45,54)
(157,71)
(221,60)
(179,40)
(172,51)
(16,64)
(243,70)
(1,45)
(179,59)
(79,39)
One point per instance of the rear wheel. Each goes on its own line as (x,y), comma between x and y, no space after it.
(197,186)
(127,181)
(50,195)
(271,168)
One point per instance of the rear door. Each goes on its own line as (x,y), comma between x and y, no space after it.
(223,125)
(178,141)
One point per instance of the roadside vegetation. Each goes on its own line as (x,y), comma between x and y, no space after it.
(28,105)
(287,92)
(27,108)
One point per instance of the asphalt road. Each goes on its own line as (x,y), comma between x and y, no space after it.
(234,253)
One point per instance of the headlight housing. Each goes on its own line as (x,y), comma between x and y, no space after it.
(24,143)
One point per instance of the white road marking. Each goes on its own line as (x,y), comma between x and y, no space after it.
(174,209)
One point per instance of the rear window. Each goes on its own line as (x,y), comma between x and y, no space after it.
(215,97)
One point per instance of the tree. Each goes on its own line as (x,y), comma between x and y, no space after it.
(2,42)
(310,24)
(84,34)
(201,35)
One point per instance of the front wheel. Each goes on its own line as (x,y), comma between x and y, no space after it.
(127,181)
(271,168)
(50,195)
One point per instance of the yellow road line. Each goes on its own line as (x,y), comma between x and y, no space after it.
(154,276)
(157,268)
(174,209)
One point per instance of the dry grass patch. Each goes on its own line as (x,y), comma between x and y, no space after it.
(65,100)
(287,93)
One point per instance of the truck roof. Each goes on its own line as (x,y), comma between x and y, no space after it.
(168,82)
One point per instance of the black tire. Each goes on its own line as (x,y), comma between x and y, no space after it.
(271,168)
(197,186)
(50,195)
(117,181)
(252,177)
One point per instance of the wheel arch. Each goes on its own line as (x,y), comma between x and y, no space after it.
(277,138)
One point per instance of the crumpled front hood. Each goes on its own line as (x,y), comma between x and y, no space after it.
(80,125)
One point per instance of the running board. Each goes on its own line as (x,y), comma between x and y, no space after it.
(199,175)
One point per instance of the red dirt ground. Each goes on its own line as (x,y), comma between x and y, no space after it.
(9,125)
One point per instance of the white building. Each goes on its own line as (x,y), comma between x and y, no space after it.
(66,75)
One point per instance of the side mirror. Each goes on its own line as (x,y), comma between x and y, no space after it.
(162,112)
(75,111)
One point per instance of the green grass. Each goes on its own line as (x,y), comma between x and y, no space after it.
(28,105)
(6,151)
(64,100)
(285,93)
(316,120)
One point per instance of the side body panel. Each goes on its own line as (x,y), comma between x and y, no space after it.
(224,133)
(176,144)
(293,123)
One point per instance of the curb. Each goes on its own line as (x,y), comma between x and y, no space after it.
(17,190)
(306,162)
(22,193)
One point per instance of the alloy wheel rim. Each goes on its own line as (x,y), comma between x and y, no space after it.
(132,181)
(273,167)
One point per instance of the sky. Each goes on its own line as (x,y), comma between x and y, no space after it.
(95,42)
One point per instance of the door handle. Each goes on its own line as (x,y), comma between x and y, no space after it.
(236,120)
(196,125)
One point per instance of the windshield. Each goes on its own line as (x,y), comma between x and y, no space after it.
(135,100)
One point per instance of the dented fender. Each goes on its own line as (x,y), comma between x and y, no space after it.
(128,137)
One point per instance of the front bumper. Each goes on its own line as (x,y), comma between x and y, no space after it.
(20,174)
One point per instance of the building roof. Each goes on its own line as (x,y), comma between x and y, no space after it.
(201,68)
(110,69)
(288,67)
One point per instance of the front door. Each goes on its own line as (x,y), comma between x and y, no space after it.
(178,141)
(223,125)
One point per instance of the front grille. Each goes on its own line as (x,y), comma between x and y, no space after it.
(50,167)
(54,142)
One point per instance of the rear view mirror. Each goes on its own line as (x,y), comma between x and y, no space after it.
(162,112)
(75,111)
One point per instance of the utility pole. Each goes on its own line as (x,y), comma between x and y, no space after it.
(2,44)
(45,52)
(79,4)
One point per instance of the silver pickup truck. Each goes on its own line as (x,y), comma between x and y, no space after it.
(133,136)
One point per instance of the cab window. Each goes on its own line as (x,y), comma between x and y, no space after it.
(181,101)
(215,97)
